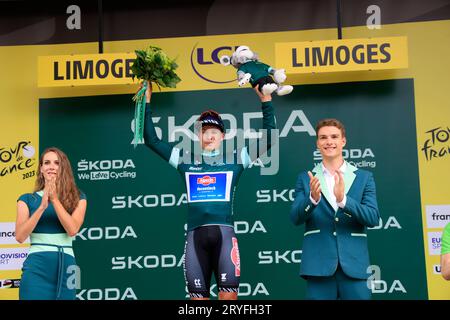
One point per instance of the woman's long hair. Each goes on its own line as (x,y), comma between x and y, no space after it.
(68,193)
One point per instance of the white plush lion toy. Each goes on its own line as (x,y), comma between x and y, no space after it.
(250,69)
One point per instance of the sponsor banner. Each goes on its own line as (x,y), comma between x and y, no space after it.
(434,243)
(106,169)
(360,158)
(8,234)
(148,201)
(106,233)
(256,289)
(378,284)
(85,69)
(246,227)
(151,261)
(437,215)
(12,258)
(268,257)
(342,55)
(201,60)
(107,294)
(209,186)
(386,287)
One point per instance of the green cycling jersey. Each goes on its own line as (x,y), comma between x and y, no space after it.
(210,177)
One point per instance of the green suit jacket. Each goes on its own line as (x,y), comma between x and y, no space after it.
(333,237)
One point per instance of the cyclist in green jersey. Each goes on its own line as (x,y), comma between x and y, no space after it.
(210,176)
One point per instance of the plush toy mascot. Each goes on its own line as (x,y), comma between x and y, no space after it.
(250,69)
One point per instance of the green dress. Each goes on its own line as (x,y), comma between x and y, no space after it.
(50,265)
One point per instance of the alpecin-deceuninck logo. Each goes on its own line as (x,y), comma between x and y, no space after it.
(19,158)
(438,143)
(206,180)
(206,64)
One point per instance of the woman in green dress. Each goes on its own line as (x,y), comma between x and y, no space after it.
(51,216)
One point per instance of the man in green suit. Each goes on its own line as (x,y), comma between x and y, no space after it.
(336,204)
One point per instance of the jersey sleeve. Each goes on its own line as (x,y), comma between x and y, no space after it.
(256,148)
(162,148)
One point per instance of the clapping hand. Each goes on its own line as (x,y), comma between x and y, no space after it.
(314,186)
(339,187)
(52,191)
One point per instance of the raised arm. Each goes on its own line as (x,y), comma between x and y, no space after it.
(269,124)
(164,149)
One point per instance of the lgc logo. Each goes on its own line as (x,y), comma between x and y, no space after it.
(206,64)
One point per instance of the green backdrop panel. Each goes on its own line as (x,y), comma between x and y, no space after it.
(132,241)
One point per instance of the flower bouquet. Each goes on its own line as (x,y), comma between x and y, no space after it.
(150,65)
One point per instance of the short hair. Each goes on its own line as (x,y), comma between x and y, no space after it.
(330,123)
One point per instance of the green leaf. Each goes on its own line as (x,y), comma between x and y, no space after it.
(154,65)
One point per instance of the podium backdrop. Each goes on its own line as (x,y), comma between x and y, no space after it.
(131,245)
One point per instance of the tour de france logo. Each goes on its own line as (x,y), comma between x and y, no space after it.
(18,159)
(438,143)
